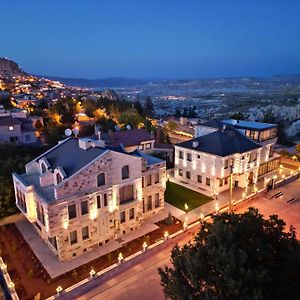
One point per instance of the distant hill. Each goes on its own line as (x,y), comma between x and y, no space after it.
(9,68)
(100,83)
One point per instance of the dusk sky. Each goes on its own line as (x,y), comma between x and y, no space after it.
(153,38)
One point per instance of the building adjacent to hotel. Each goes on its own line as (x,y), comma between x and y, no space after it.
(224,148)
(81,194)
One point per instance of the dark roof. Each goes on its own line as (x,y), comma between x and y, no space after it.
(6,121)
(222,143)
(213,124)
(70,156)
(128,138)
(241,124)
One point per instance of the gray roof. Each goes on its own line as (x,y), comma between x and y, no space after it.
(71,157)
(222,143)
(151,160)
(249,124)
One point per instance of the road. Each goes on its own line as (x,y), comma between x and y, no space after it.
(142,281)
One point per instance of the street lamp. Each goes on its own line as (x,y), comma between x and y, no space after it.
(230,192)
(186,207)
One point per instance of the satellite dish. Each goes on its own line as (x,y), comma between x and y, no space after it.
(128,127)
(117,128)
(68,132)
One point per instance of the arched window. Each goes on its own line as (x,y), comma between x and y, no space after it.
(100,179)
(43,168)
(125,172)
(58,178)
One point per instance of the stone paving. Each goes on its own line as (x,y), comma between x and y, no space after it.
(56,268)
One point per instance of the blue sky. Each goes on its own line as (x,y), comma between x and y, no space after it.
(153,38)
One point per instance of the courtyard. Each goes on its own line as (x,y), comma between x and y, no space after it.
(179,195)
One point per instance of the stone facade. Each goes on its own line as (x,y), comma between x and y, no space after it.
(82,214)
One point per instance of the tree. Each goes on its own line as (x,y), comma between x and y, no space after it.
(138,106)
(149,107)
(131,117)
(237,256)
(237,116)
(171,125)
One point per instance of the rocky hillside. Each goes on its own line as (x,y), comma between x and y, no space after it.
(9,68)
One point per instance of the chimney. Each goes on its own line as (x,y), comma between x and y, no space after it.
(195,144)
(85,143)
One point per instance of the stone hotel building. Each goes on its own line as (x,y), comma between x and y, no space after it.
(81,194)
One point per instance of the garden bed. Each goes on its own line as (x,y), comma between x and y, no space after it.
(31,278)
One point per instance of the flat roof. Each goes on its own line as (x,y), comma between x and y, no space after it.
(249,124)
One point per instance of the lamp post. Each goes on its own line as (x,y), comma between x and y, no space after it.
(230,192)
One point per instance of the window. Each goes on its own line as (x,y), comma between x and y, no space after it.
(85,232)
(207,181)
(122,217)
(143,182)
(126,193)
(11,128)
(98,201)
(226,180)
(226,164)
(141,147)
(149,180)
(73,237)
(148,146)
(53,241)
(180,154)
(180,172)
(271,151)
(199,178)
(198,156)
(105,199)
(254,156)
(156,178)
(220,182)
(131,213)
(125,172)
(149,203)
(40,213)
(189,157)
(101,179)
(72,211)
(44,169)
(58,178)
(84,208)
(157,202)
(188,174)
(21,201)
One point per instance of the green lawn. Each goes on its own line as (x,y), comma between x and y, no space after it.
(178,195)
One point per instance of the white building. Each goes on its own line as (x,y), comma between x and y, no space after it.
(224,148)
(81,194)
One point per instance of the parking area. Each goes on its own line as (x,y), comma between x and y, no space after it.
(283,201)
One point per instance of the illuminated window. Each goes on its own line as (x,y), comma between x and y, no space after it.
(11,128)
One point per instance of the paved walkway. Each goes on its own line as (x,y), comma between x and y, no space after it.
(56,268)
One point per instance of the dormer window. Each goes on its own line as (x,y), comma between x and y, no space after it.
(58,178)
(101,179)
(44,169)
(125,172)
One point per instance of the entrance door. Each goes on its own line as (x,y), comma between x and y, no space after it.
(270,185)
